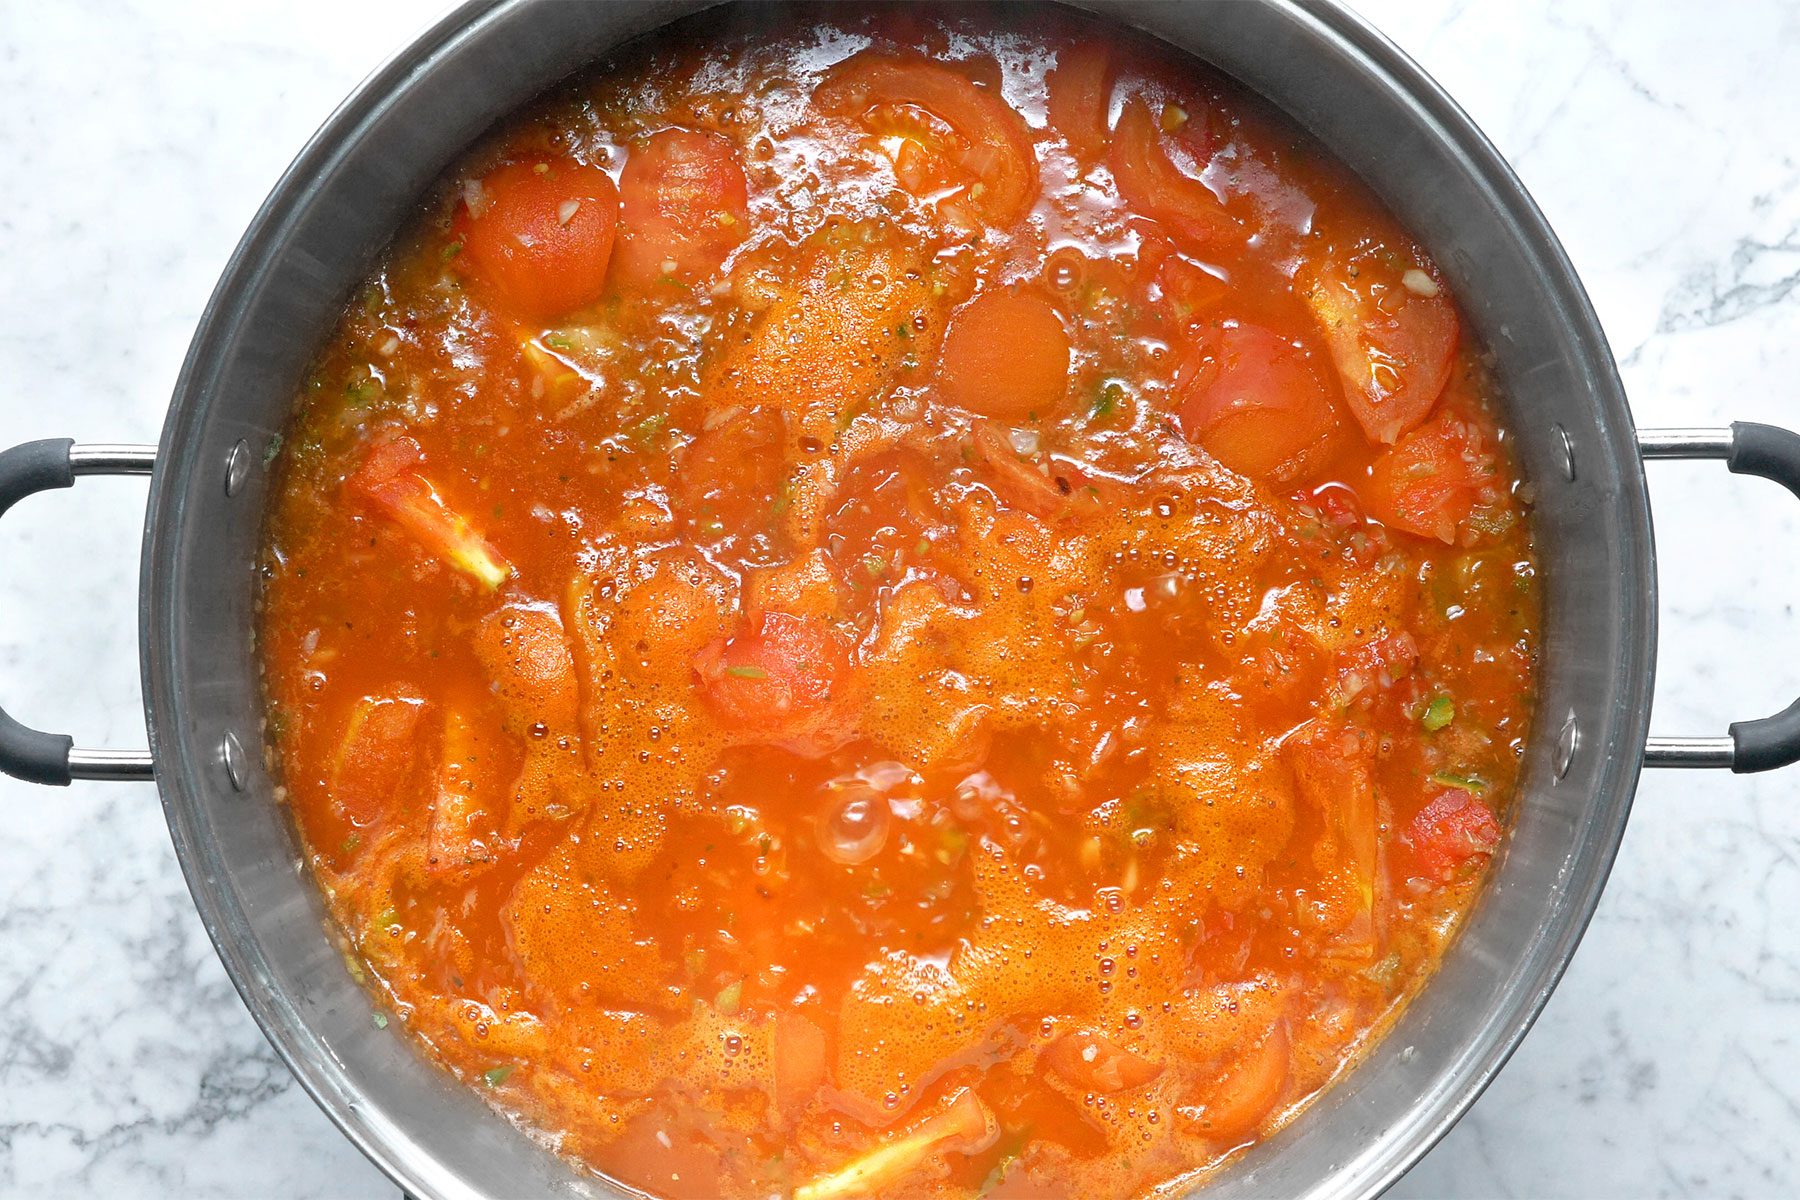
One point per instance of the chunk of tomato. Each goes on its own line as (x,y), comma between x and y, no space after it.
(683,206)
(390,478)
(1037,484)
(1247,1092)
(998,151)
(1191,212)
(1450,831)
(540,234)
(1080,97)
(773,674)
(1006,355)
(1187,289)
(1259,404)
(1096,1063)
(1427,483)
(376,755)
(1391,330)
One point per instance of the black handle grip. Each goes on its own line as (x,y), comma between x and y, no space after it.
(27,753)
(1772,453)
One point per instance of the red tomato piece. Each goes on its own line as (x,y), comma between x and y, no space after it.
(464,831)
(1156,187)
(1247,1092)
(1006,355)
(801,1063)
(735,468)
(1332,767)
(540,235)
(683,207)
(376,756)
(1451,830)
(1393,343)
(1260,405)
(1080,99)
(1039,485)
(1188,290)
(1093,1062)
(777,671)
(389,477)
(999,150)
(1427,483)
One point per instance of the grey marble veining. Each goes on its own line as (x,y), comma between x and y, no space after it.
(137,138)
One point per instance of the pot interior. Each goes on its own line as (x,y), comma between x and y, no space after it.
(361,177)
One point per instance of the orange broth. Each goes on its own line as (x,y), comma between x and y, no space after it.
(898,605)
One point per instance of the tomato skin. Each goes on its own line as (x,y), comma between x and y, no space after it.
(1393,346)
(1452,829)
(683,200)
(1080,97)
(1426,483)
(999,149)
(536,261)
(777,671)
(1006,355)
(1258,404)
(1154,186)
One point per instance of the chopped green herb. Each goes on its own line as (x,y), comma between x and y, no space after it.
(874,564)
(923,548)
(1012,1144)
(1470,783)
(1110,397)
(747,672)
(730,997)
(496,1076)
(380,1020)
(557,341)
(951,844)
(1439,713)
(272,450)
(451,251)
(647,429)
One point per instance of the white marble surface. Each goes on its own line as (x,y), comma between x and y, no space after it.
(138,136)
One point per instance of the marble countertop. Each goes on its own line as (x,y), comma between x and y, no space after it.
(140,135)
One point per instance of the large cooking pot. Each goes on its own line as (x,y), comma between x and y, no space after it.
(361,176)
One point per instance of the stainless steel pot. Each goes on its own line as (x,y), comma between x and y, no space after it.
(360,177)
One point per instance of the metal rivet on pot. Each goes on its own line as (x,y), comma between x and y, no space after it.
(1567,743)
(231,753)
(1565,448)
(237,468)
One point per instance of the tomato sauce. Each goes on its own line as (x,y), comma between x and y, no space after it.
(899,605)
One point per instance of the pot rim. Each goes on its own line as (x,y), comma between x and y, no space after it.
(182,765)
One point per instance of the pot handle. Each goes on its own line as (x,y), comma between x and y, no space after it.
(27,753)
(1747,449)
